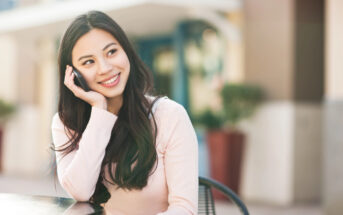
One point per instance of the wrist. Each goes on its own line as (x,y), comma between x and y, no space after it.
(101,105)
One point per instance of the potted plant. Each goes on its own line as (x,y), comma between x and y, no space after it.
(239,102)
(6,110)
(224,138)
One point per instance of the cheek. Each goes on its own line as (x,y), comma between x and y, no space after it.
(89,76)
(123,62)
(128,65)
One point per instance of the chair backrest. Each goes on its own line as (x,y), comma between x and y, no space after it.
(206,201)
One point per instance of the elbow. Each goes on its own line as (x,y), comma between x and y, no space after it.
(183,206)
(81,197)
(178,209)
(80,194)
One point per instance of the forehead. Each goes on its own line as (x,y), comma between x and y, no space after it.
(94,40)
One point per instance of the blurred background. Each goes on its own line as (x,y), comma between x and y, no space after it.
(262,81)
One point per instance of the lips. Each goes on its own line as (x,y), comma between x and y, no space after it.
(112,81)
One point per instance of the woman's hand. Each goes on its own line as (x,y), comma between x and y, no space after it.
(93,98)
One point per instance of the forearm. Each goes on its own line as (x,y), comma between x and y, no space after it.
(80,177)
(78,171)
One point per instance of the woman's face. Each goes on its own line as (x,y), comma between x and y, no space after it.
(103,63)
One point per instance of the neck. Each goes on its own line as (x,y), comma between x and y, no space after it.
(114,104)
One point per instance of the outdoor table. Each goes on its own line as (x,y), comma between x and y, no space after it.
(44,205)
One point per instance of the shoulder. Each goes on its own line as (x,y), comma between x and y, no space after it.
(56,121)
(60,135)
(168,112)
(168,106)
(175,127)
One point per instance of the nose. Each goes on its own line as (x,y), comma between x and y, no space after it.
(104,66)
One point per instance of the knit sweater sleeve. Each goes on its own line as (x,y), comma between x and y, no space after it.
(79,170)
(181,162)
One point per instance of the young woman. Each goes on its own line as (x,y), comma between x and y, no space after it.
(116,144)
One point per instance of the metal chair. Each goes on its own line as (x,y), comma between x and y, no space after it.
(206,202)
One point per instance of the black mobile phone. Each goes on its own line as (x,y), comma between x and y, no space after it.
(80,81)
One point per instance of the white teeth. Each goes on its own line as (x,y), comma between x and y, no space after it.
(111,80)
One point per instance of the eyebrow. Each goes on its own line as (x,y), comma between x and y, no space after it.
(108,45)
(87,56)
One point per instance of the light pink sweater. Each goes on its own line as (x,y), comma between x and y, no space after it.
(172,189)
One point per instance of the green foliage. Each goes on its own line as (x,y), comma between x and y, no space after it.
(5,109)
(240,101)
(209,119)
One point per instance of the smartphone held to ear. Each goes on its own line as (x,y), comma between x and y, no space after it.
(80,81)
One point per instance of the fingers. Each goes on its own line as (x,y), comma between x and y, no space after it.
(93,98)
(70,84)
(68,77)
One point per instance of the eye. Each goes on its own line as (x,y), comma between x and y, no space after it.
(111,52)
(87,62)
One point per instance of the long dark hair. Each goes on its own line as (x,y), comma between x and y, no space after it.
(132,144)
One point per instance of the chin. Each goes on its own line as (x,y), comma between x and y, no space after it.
(112,95)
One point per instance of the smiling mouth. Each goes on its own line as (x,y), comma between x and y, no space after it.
(111,82)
